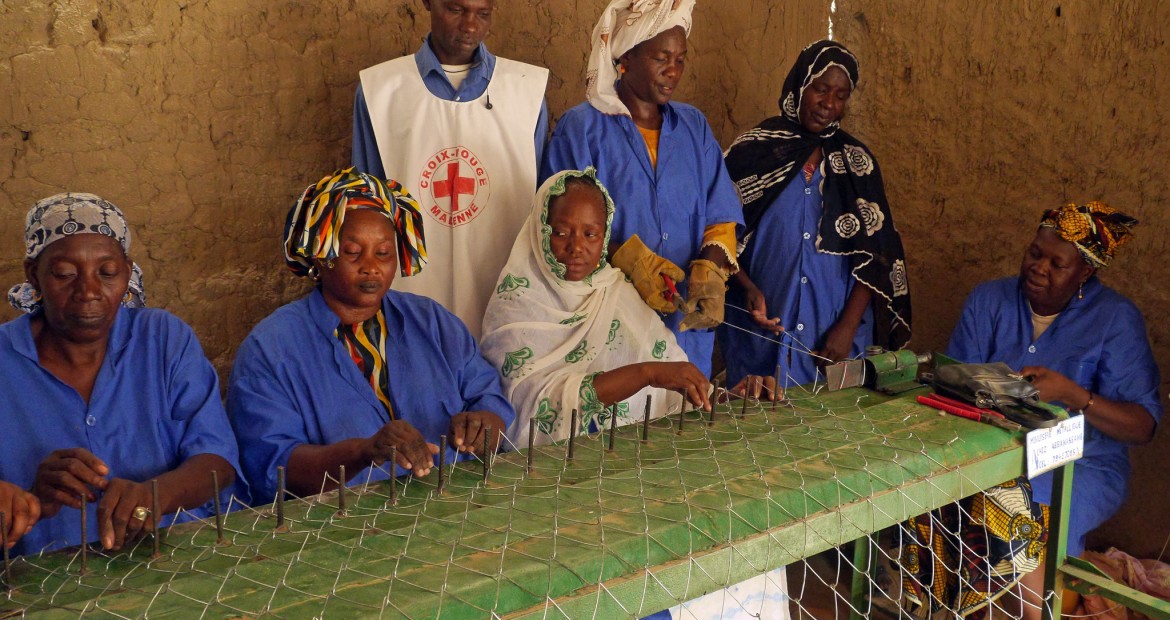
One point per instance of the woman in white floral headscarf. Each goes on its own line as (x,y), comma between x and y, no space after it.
(567,331)
(819,252)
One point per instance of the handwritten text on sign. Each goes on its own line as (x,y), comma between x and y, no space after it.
(1049,448)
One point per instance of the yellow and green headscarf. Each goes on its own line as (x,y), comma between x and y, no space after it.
(1096,229)
(313,223)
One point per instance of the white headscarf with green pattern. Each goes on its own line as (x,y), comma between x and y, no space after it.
(549,337)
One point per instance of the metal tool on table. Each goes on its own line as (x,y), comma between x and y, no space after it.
(996,386)
(890,372)
(672,295)
(963,410)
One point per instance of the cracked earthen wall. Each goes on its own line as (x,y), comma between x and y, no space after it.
(204,119)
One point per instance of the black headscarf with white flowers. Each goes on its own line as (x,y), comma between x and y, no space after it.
(856,221)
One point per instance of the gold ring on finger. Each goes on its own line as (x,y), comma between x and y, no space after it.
(141,513)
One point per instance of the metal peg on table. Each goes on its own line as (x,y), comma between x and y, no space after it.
(4,544)
(572,434)
(646,421)
(84,530)
(682,413)
(487,456)
(154,517)
(531,444)
(710,414)
(612,424)
(341,490)
(393,475)
(219,539)
(442,482)
(280,497)
(776,389)
(743,410)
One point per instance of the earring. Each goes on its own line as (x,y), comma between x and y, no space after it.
(329,264)
(36,296)
(313,274)
(127,297)
(1081,291)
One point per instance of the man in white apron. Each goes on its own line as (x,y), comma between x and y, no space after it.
(463,131)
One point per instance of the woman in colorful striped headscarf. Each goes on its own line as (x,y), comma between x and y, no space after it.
(354,370)
(100,394)
(1083,345)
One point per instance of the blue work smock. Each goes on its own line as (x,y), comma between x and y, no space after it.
(668,206)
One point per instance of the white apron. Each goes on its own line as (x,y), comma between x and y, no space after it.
(471,168)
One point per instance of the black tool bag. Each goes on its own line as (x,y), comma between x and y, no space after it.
(995,386)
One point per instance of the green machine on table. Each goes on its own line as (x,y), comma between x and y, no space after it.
(608,534)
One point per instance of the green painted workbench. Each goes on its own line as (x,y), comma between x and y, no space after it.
(608,534)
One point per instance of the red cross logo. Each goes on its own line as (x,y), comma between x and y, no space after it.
(454,186)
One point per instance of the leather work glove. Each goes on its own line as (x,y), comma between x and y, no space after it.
(706,288)
(645,269)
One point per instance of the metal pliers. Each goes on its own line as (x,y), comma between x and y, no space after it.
(672,295)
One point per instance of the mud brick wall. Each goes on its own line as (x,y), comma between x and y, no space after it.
(203,120)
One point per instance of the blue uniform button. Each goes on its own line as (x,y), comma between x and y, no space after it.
(90,420)
(665,236)
(800,327)
(807,191)
(1032,349)
(803,280)
(807,236)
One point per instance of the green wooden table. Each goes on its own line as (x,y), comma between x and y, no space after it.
(610,534)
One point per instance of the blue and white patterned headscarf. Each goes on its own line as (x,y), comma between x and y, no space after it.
(56,217)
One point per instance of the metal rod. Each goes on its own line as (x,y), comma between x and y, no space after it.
(531,444)
(711,416)
(4,543)
(393,475)
(743,410)
(220,540)
(84,530)
(682,414)
(487,455)
(776,389)
(572,433)
(442,462)
(154,516)
(279,497)
(612,424)
(341,490)
(646,421)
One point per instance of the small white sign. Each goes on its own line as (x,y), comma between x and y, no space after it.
(1049,448)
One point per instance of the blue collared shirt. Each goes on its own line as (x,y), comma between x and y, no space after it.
(294,382)
(1100,343)
(155,404)
(668,206)
(807,289)
(365,146)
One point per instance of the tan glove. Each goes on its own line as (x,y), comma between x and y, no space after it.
(645,269)
(705,290)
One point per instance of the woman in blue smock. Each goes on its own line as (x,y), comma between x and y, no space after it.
(354,370)
(820,255)
(675,205)
(1083,345)
(101,394)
